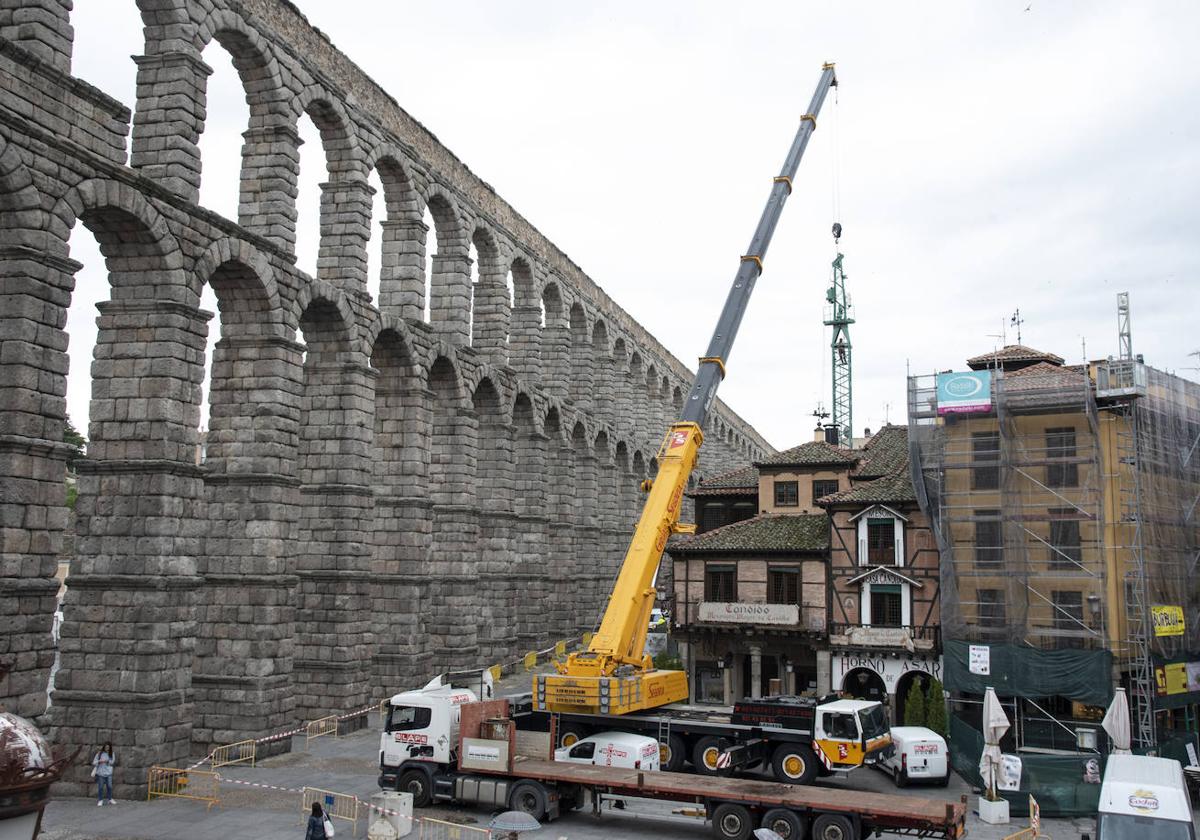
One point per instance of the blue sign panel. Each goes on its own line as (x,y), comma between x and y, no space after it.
(964,393)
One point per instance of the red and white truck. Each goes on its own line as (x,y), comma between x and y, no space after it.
(442,745)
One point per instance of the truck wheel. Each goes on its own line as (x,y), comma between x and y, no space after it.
(787,824)
(416,782)
(794,763)
(672,755)
(571,734)
(530,798)
(833,827)
(705,755)
(732,822)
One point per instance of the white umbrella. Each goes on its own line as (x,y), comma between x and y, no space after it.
(995,724)
(1116,722)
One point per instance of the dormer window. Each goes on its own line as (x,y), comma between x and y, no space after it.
(880,536)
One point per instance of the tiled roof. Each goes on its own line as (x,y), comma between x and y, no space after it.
(896,487)
(811,454)
(741,480)
(765,532)
(885,452)
(1043,375)
(1010,354)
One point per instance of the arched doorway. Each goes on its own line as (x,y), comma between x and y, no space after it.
(865,684)
(904,685)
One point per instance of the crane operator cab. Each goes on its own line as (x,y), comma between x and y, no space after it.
(851,733)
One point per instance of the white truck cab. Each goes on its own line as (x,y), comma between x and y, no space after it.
(613,749)
(423,724)
(1144,797)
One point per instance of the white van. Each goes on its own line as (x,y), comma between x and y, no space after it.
(613,749)
(920,756)
(1142,798)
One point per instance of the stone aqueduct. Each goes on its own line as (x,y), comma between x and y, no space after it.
(382,497)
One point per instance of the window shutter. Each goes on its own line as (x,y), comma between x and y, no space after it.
(899,542)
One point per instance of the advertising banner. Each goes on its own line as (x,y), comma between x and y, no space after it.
(964,393)
(1168,620)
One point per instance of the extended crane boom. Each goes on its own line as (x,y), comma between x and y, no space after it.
(614,675)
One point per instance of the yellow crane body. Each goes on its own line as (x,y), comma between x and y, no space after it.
(615,675)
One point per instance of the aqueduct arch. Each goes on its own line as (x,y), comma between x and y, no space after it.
(369,480)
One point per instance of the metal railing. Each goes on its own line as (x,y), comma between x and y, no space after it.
(237,753)
(180,783)
(431,829)
(337,806)
(320,728)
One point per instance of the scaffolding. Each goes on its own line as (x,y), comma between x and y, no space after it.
(1016,494)
(1066,518)
(1155,430)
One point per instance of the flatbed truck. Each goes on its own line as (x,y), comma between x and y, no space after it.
(797,738)
(495,765)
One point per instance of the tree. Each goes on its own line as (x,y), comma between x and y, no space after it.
(76,441)
(914,705)
(935,708)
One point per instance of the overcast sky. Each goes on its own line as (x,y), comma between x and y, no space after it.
(984,157)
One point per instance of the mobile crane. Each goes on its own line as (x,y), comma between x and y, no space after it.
(615,675)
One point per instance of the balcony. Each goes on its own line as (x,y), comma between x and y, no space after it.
(911,639)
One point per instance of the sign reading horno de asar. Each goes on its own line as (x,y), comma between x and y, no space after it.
(749,613)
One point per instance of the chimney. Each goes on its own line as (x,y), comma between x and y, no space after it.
(831,434)
(866,431)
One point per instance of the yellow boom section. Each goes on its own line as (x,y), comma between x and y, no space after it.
(614,675)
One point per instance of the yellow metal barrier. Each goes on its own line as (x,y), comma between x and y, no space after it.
(432,829)
(320,728)
(560,648)
(496,671)
(339,806)
(235,754)
(531,660)
(180,783)
(586,641)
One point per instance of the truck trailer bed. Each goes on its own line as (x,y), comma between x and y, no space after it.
(906,814)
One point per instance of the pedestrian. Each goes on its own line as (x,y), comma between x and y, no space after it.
(316,823)
(102,768)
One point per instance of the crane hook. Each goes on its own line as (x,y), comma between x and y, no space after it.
(837,231)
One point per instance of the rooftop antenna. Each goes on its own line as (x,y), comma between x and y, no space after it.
(1017,321)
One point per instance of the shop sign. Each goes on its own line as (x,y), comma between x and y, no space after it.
(890,668)
(1168,620)
(964,393)
(720,613)
(1177,678)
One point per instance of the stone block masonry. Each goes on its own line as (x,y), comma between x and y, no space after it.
(380,496)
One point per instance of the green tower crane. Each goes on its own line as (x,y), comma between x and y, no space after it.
(838,317)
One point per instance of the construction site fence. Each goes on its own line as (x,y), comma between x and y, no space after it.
(338,806)
(320,728)
(431,829)
(181,783)
(238,753)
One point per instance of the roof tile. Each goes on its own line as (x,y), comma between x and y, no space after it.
(765,532)
(811,454)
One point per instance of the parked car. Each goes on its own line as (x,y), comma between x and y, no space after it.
(920,756)
(613,749)
(1143,797)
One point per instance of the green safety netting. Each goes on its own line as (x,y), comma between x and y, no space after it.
(1083,675)
(1056,781)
